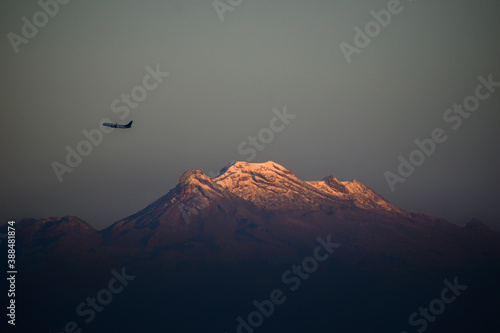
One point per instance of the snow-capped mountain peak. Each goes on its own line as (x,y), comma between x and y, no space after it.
(241,167)
(271,186)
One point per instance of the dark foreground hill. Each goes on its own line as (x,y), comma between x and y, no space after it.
(258,250)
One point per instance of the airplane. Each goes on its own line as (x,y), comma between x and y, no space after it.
(116,125)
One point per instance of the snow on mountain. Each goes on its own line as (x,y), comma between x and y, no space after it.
(255,208)
(271,186)
(253,203)
(225,238)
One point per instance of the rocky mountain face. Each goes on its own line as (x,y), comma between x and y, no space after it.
(253,208)
(232,237)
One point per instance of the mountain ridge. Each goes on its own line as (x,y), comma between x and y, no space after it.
(261,202)
(253,181)
(216,244)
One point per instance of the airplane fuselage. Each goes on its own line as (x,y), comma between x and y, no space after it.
(116,125)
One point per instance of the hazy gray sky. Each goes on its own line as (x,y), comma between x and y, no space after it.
(225,77)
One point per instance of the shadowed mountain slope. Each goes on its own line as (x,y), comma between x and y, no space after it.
(212,246)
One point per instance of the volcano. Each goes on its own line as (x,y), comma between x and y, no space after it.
(210,246)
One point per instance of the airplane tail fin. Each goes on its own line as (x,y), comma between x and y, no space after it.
(129,124)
